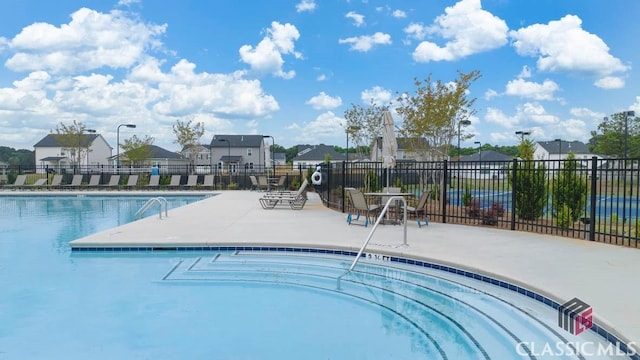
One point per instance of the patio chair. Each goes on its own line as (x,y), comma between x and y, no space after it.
(418,211)
(295,200)
(254,183)
(175,181)
(132,182)
(192,182)
(208,182)
(154,181)
(76,181)
(114,181)
(94,180)
(56,181)
(279,185)
(38,184)
(19,182)
(360,206)
(263,183)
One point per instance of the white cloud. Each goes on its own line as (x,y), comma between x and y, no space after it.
(525,73)
(377,94)
(610,82)
(496,116)
(399,14)
(490,94)
(532,90)
(358,19)
(563,46)
(469,30)
(366,43)
(573,129)
(266,57)
(323,101)
(416,31)
(128,2)
(325,127)
(587,113)
(306,5)
(534,112)
(90,41)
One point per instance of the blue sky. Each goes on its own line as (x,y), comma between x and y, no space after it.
(291,68)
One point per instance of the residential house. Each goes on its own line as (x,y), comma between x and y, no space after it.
(408,149)
(485,164)
(559,150)
(51,155)
(165,160)
(309,155)
(233,152)
(4,169)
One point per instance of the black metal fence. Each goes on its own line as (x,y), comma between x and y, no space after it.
(594,199)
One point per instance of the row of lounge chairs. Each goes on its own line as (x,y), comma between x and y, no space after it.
(294,199)
(133,182)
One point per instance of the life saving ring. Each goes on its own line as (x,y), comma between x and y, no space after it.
(316,178)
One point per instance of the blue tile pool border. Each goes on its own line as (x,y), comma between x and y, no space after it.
(611,338)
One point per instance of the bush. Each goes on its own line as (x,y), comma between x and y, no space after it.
(564,217)
(531,190)
(466,196)
(570,190)
(473,210)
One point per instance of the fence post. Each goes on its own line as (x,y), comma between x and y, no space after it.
(444,191)
(514,166)
(592,210)
(344,183)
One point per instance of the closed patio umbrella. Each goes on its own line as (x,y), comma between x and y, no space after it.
(389,143)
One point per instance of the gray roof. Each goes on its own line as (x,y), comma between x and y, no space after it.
(51,140)
(156,152)
(563,147)
(235,141)
(317,153)
(487,155)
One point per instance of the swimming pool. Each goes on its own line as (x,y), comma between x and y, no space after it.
(236,303)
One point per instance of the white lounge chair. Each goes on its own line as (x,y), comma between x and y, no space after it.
(208,182)
(154,181)
(132,182)
(295,200)
(76,181)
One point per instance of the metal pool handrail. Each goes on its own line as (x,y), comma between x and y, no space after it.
(156,200)
(373,230)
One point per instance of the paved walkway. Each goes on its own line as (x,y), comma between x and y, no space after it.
(604,276)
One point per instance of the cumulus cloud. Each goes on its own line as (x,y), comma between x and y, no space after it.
(306,6)
(89,41)
(399,14)
(366,43)
(358,19)
(266,57)
(496,116)
(325,127)
(536,113)
(324,101)
(563,46)
(416,31)
(377,95)
(468,30)
(610,82)
(532,90)
(490,94)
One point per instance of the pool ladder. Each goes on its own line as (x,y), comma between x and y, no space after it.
(156,200)
(373,230)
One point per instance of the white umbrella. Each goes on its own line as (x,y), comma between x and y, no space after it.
(389,143)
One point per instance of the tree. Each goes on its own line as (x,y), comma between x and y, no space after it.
(137,150)
(72,138)
(188,135)
(435,111)
(609,138)
(570,191)
(530,193)
(363,124)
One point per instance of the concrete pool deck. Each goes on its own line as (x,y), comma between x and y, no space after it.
(604,276)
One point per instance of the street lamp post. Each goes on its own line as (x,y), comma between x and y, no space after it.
(273,146)
(523,134)
(350,130)
(228,158)
(479,150)
(465,123)
(132,126)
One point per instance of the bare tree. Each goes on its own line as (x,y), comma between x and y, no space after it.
(363,124)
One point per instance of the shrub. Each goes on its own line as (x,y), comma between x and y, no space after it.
(564,217)
(570,190)
(531,190)
(466,196)
(473,210)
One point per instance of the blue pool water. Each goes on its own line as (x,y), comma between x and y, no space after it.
(55,304)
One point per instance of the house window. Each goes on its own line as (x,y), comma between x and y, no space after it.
(219,166)
(249,151)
